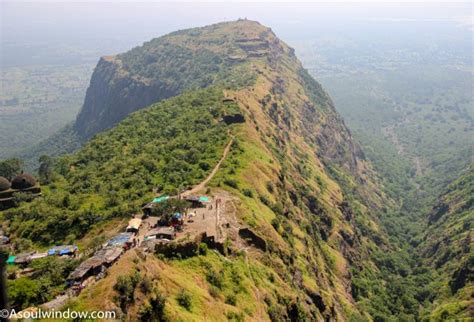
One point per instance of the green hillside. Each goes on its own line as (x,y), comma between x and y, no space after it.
(168,147)
(301,234)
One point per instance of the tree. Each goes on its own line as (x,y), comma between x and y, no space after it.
(184,299)
(10,167)
(23,292)
(45,169)
(169,207)
(155,310)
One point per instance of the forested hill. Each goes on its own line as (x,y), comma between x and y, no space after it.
(293,176)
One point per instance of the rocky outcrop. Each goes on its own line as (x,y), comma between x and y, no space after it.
(114,93)
(253,239)
(233,119)
(167,66)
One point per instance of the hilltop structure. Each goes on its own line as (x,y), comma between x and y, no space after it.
(22,183)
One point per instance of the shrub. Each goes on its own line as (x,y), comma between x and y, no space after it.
(276,223)
(184,299)
(125,287)
(23,292)
(214,292)
(215,278)
(202,249)
(270,187)
(248,193)
(231,183)
(265,200)
(233,316)
(146,285)
(278,208)
(231,299)
(154,310)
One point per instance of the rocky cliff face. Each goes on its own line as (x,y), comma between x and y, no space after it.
(448,247)
(114,93)
(162,68)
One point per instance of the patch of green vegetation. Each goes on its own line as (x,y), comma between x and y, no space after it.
(47,281)
(125,288)
(162,147)
(184,299)
(36,101)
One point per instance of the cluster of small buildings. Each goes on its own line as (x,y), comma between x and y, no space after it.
(117,245)
(24,259)
(95,266)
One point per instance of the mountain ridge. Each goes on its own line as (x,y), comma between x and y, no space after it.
(294,178)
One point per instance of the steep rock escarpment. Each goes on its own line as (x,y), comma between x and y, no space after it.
(448,248)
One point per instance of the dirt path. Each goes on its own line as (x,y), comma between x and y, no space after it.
(203,184)
(56,303)
(389,131)
(418,168)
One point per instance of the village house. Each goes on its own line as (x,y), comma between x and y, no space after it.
(148,208)
(123,240)
(134,225)
(95,265)
(21,259)
(161,233)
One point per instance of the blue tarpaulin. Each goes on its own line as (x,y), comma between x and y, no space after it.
(62,250)
(120,239)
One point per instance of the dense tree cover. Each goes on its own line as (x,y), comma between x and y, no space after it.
(425,275)
(167,147)
(39,99)
(10,167)
(64,141)
(46,282)
(415,122)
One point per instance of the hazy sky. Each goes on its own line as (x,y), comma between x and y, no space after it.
(108,27)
